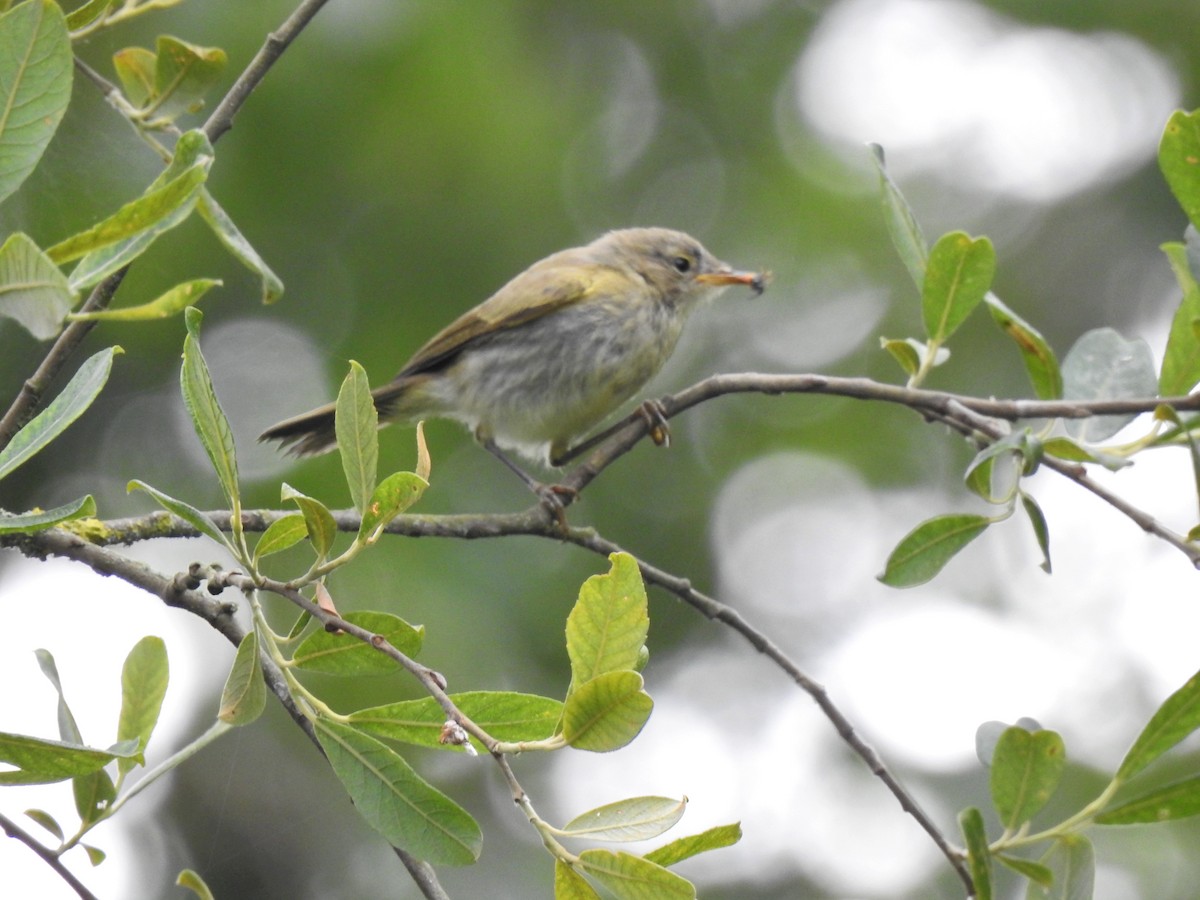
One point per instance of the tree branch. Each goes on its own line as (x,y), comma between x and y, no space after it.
(49,857)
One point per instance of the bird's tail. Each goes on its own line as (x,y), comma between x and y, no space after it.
(313,433)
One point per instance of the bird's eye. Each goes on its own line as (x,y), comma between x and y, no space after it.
(682,264)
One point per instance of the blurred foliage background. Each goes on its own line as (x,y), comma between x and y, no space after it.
(406,158)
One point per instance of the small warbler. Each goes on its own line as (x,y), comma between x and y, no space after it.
(552,353)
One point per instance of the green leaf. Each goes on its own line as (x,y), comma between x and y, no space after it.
(35,86)
(684,847)
(1040,362)
(1041,530)
(633,819)
(608,625)
(607,712)
(1175,801)
(319,521)
(958,275)
(979,858)
(185,511)
(344,654)
(94,793)
(1026,769)
(167,202)
(94,854)
(135,69)
(183,74)
(284,532)
(1072,863)
(212,427)
(1034,871)
(241,249)
(904,352)
(245,695)
(68,406)
(39,520)
(1179,159)
(134,218)
(194,883)
(174,301)
(143,687)
(395,801)
(357,425)
(47,821)
(90,12)
(505,715)
(1181,359)
(1102,365)
(1178,717)
(570,885)
(902,225)
(925,550)
(630,877)
(68,730)
(33,292)
(394,495)
(39,761)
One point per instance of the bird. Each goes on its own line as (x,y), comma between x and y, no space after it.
(552,353)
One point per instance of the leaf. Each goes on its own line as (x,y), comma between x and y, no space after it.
(1041,530)
(183,74)
(902,225)
(925,550)
(979,858)
(212,427)
(394,495)
(39,520)
(1040,362)
(174,194)
(1072,863)
(245,695)
(143,686)
(68,730)
(1102,365)
(319,521)
(607,627)
(174,301)
(35,86)
(39,761)
(395,801)
(68,406)
(570,885)
(958,274)
(632,878)
(1181,359)
(241,249)
(344,654)
(634,819)
(357,425)
(284,532)
(90,12)
(505,715)
(1179,160)
(47,821)
(1175,801)
(94,793)
(33,292)
(1178,717)
(94,854)
(135,68)
(607,712)
(194,883)
(904,352)
(682,848)
(1026,769)
(185,511)
(1034,871)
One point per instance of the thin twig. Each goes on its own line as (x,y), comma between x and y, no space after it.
(48,856)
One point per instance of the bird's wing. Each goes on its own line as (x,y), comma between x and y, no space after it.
(557,281)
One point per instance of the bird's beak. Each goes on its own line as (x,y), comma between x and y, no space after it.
(756,281)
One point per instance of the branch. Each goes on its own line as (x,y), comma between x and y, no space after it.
(13,830)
